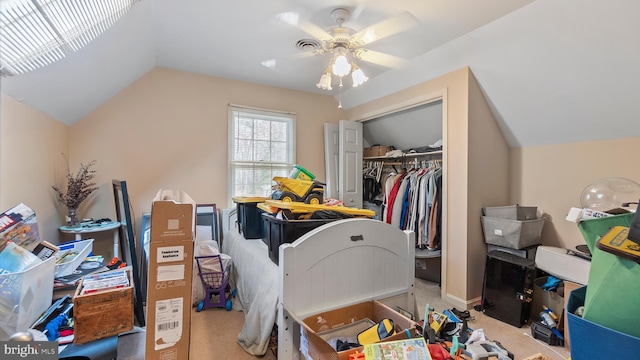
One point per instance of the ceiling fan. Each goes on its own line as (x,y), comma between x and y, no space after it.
(346,45)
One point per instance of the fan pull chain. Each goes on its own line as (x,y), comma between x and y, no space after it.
(340,94)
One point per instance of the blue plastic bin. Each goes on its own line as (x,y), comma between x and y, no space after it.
(593,341)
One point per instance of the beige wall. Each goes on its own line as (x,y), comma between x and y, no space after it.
(31,161)
(488,181)
(553,177)
(168,130)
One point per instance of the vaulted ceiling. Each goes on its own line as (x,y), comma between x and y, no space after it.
(552,71)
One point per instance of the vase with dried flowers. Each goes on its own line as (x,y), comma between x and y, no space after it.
(79,187)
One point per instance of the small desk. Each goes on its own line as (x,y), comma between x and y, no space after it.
(88,228)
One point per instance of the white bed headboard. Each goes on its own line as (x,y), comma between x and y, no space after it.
(346,262)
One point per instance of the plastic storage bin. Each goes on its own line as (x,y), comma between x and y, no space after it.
(512,212)
(593,341)
(81,248)
(249,216)
(286,232)
(512,233)
(24,296)
(428,265)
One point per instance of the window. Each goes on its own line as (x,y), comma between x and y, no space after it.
(262,145)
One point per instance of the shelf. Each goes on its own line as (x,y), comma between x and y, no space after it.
(408,155)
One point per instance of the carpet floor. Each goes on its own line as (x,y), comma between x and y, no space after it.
(214,333)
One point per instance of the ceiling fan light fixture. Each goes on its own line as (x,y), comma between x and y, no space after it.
(358,76)
(325,81)
(341,66)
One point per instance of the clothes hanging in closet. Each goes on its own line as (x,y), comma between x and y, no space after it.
(413,201)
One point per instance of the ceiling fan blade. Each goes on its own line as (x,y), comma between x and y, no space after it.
(391,26)
(293,19)
(273,63)
(380,58)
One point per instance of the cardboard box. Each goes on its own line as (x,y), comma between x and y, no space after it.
(102,314)
(169,280)
(376,151)
(569,286)
(313,345)
(19,225)
(551,299)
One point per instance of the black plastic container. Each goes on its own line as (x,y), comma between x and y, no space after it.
(286,231)
(249,217)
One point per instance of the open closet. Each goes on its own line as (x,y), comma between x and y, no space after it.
(474,162)
(404,188)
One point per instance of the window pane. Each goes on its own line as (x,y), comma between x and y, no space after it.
(263,147)
(244,150)
(262,129)
(279,131)
(279,152)
(263,151)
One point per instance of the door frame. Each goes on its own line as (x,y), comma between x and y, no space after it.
(437,95)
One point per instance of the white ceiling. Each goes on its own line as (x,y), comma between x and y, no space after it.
(552,71)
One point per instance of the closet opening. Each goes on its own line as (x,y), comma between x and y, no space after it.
(400,188)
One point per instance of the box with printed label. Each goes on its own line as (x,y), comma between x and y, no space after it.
(169,281)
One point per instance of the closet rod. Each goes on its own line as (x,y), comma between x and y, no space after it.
(406,162)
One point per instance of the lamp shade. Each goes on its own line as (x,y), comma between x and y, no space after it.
(358,76)
(325,81)
(341,66)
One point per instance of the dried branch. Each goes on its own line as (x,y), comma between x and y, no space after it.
(79,186)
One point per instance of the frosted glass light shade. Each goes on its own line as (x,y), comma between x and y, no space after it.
(341,66)
(358,76)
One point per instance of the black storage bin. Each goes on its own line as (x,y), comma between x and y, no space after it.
(286,232)
(249,216)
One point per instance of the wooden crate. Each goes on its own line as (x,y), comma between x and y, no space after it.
(103,314)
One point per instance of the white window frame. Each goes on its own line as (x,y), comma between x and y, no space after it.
(288,117)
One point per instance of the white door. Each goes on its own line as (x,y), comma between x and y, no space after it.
(350,164)
(331,159)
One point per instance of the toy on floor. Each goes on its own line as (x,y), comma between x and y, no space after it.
(215,283)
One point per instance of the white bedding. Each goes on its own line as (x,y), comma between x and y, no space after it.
(256,279)
(338,264)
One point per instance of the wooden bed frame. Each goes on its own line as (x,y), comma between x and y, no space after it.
(341,263)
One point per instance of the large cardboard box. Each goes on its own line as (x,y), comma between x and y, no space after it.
(102,314)
(169,281)
(313,344)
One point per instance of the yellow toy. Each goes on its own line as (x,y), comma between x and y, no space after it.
(298,190)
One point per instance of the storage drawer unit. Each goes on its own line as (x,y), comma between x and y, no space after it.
(508,287)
